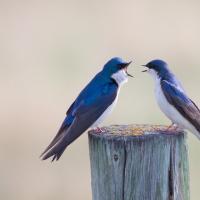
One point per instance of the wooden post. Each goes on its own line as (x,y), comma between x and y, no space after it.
(139,162)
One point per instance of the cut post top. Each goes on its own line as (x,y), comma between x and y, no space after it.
(137,130)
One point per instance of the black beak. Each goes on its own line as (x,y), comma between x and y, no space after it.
(145,69)
(125,66)
(129,75)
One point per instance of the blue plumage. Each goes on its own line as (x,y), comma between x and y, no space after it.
(88,107)
(172,98)
(186,107)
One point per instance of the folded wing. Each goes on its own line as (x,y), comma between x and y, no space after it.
(182,103)
(83,116)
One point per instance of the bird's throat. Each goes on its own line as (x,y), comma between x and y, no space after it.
(120,77)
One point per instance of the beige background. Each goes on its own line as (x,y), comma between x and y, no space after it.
(49,50)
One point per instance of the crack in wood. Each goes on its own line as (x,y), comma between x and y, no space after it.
(124,170)
(153,166)
(170,177)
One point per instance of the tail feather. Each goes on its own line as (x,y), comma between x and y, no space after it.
(53,142)
(57,156)
(65,125)
(62,140)
(56,151)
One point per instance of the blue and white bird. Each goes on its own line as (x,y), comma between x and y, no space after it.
(172,98)
(90,108)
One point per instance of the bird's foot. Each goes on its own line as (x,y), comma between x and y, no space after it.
(171,127)
(99,130)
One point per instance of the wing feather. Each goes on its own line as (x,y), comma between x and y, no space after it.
(85,114)
(182,103)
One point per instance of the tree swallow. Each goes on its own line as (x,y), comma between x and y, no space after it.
(90,108)
(172,98)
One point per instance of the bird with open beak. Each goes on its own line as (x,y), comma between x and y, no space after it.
(95,102)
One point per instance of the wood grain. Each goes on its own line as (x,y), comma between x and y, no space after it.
(139,162)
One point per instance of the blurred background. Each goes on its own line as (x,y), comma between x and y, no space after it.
(49,50)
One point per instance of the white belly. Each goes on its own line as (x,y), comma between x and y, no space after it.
(171,112)
(121,78)
(105,113)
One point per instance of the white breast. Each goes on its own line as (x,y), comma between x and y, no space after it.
(171,112)
(167,108)
(121,78)
(105,113)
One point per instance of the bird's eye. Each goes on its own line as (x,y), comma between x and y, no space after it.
(120,66)
(148,66)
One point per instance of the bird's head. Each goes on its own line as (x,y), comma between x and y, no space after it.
(157,68)
(116,69)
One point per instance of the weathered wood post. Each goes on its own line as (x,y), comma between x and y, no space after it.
(139,162)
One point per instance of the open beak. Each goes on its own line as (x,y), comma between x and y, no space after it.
(145,69)
(125,67)
(128,74)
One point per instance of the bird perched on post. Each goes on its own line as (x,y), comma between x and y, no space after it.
(172,98)
(90,108)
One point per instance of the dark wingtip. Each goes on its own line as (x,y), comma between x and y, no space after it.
(56,153)
(44,157)
(42,154)
(54,157)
